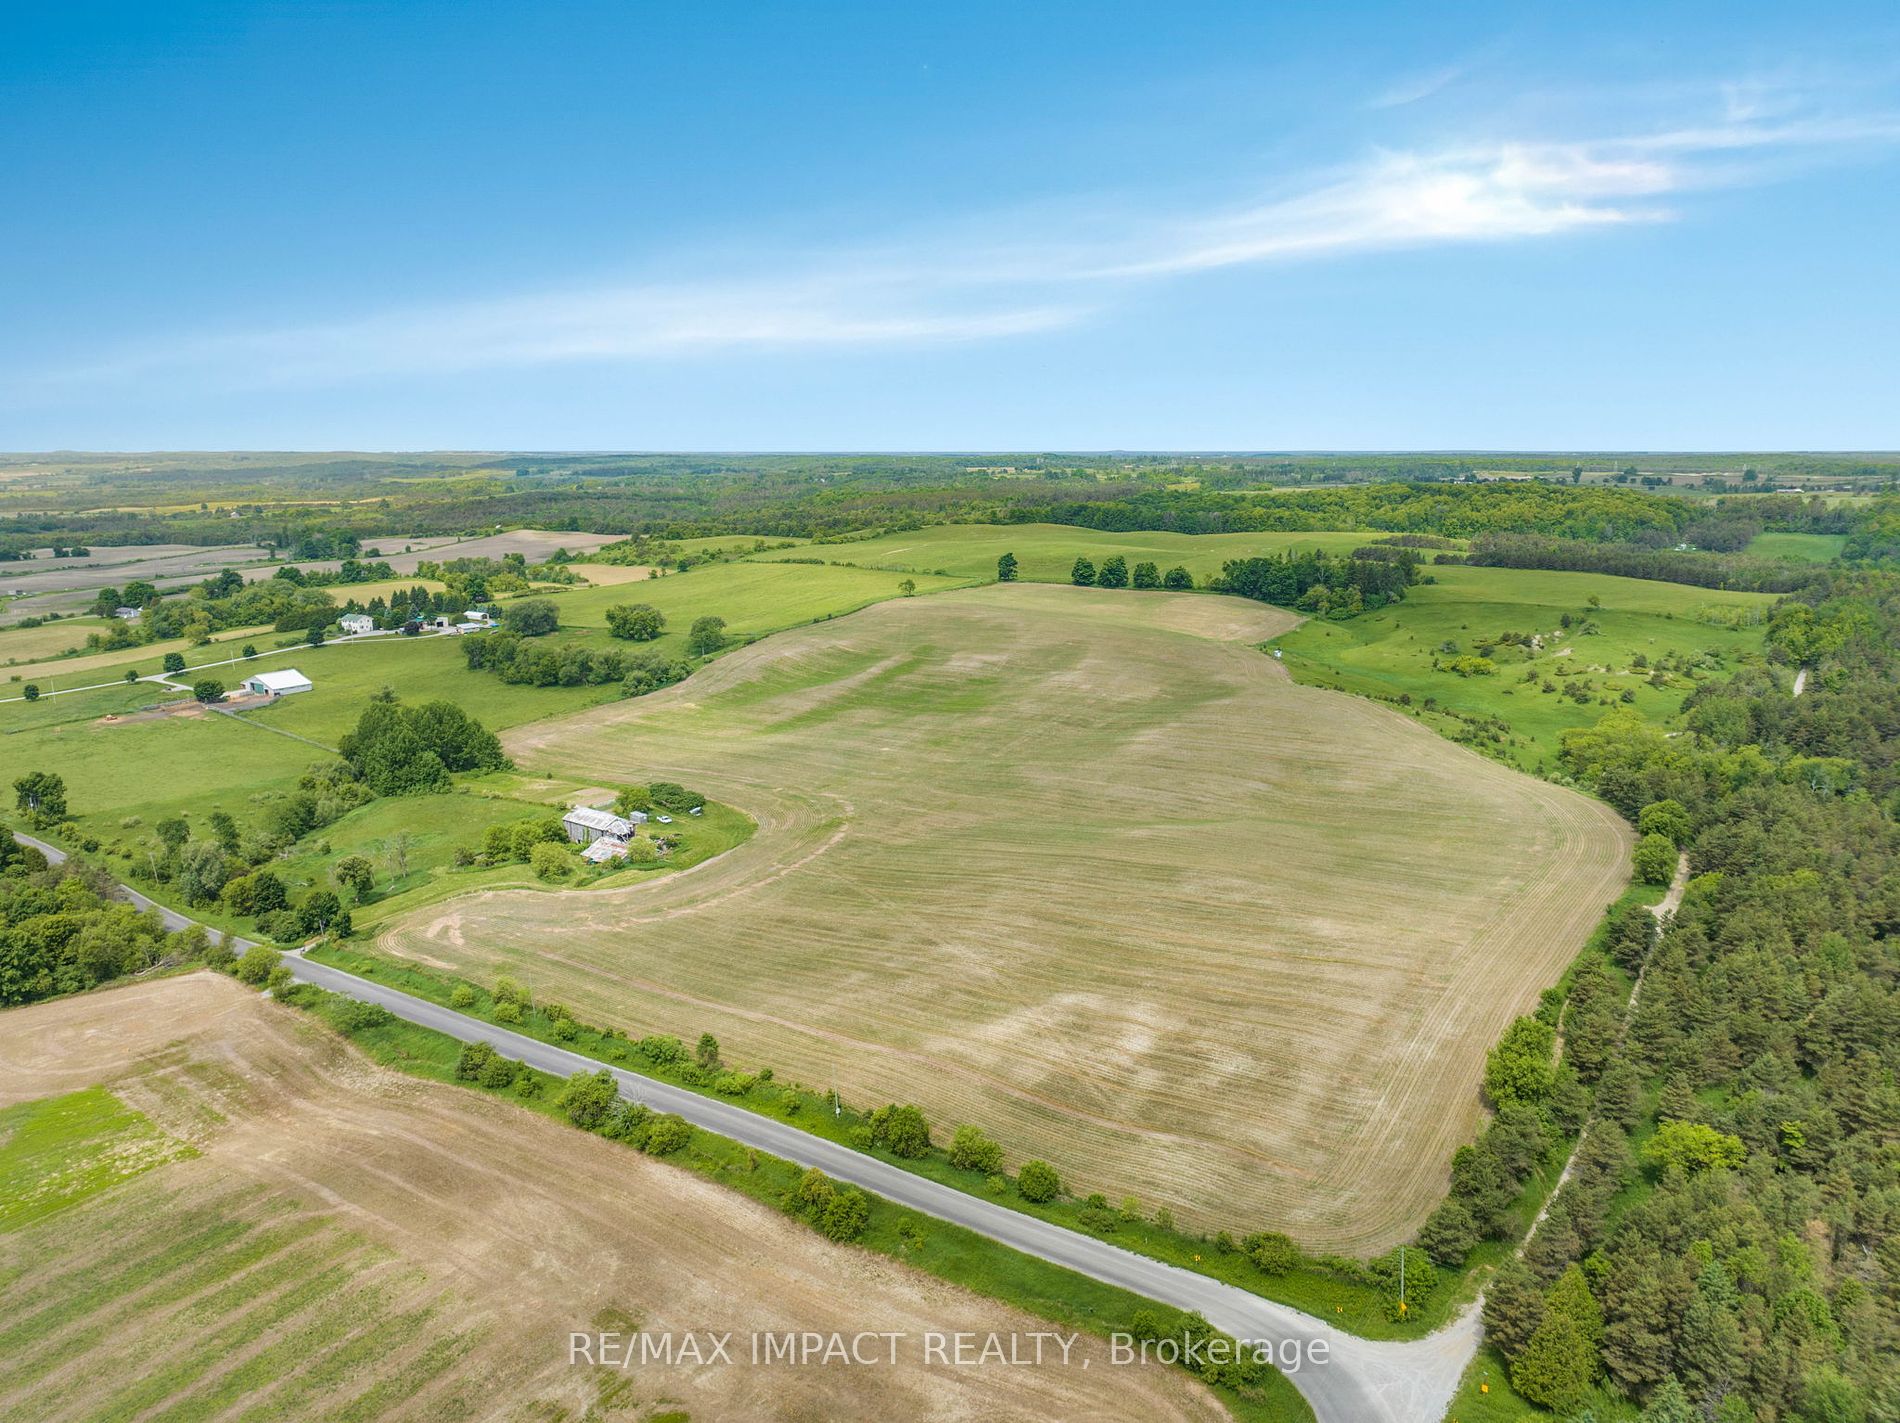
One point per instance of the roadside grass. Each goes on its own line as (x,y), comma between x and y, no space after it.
(950,1252)
(1485,1395)
(57,1151)
(1045,553)
(1389,655)
(1798,548)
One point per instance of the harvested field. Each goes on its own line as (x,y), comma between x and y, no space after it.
(351,1244)
(1086,869)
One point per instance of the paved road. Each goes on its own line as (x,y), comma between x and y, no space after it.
(1346,1379)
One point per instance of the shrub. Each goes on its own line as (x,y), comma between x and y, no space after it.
(846,1215)
(1272,1252)
(636,622)
(532,617)
(590,1098)
(1178,578)
(667,1134)
(500,1072)
(971,1150)
(475,1057)
(255,966)
(462,997)
(901,1130)
(507,1012)
(1114,573)
(354,1016)
(1038,1182)
(550,861)
(707,636)
(1145,575)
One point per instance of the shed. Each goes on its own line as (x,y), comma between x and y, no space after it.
(277,684)
(584,825)
(604,849)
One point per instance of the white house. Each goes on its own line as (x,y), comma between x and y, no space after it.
(277,684)
(584,825)
(355,623)
(130,615)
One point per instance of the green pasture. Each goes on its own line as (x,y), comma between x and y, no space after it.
(57,1151)
(23,644)
(1798,548)
(1390,654)
(754,598)
(1046,552)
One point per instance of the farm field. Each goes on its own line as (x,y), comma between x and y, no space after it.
(1798,548)
(1283,1030)
(334,1241)
(1391,654)
(29,645)
(1045,553)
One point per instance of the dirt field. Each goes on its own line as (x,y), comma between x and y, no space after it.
(1086,869)
(354,1244)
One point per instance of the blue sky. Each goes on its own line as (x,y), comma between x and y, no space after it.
(966,226)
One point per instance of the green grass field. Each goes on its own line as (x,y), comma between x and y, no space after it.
(1798,548)
(28,645)
(57,1151)
(1390,654)
(1046,552)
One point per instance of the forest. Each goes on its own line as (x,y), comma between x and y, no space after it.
(1728,1245)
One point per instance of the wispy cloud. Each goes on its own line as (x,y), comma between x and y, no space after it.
(937,291)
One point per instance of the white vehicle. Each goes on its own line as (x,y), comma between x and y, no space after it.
(665,819)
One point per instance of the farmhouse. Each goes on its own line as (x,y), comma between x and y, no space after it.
(277,684)
(130,615)
(357,623)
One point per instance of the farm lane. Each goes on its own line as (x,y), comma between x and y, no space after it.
(1345,1378)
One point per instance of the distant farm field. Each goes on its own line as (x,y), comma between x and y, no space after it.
(1798,548)
(1046,553)
(1087,869)
(1602,636)
(297,1234)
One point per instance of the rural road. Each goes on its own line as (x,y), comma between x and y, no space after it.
(1346,1379)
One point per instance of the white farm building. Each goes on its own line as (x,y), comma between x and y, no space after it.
(584,825)
(277,684)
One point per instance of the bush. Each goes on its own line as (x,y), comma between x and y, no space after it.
(1272,1252)
(1038,1182)
(255,966)
(707,637)
(1114,573)
(846,1216)
(590,1098)
(507,1012)
(667,1134)
(1145,575)
(550,861)
(533,617)
(635,622)
(474,1059)
(1178,578)
(901,1130)
(462,997)
(971,1150)
(354,1016)
(209,690)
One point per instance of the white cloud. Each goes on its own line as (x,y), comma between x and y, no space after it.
(937,291)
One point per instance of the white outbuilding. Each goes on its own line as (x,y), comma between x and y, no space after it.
(277,684)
